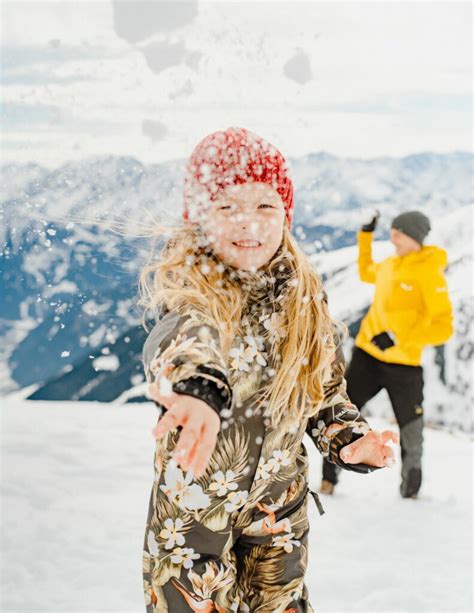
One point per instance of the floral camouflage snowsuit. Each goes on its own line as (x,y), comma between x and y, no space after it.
(236,539)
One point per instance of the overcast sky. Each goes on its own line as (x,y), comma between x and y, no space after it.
(150,79)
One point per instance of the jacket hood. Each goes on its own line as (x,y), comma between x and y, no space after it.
(433,256)
(429,256)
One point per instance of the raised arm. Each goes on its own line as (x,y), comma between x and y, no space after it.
(367,267)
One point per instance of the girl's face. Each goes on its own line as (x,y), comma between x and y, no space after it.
(245,225)
(403,243)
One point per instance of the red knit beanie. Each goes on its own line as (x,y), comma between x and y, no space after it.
(229,158)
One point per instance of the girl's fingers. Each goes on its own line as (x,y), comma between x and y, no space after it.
(190,433)
(187,461)
(170,420)
(204,452)
(388,435)
(374,437)
(389,456)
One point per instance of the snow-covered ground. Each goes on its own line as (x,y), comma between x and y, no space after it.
(76,478)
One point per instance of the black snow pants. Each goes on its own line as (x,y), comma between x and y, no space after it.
(365,377)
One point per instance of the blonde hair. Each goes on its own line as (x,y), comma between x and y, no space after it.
(183,276)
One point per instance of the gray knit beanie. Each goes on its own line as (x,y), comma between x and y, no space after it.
(413,224)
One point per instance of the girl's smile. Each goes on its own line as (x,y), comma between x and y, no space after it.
(250,244)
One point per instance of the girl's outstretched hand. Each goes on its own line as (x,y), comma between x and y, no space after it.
(200,424)
(371,449)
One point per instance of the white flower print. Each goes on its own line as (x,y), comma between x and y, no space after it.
(286,541)
(171,532)
(320,428)
(256,348)
(152,544)
(178,489)
(241,360)
(184,556)
(279,458)
(244,355)
(222,482)
(235,500)
(263,469)
(275,324)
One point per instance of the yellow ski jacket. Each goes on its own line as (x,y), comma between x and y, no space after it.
(411,301)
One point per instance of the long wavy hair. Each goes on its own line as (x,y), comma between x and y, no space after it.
(182,277)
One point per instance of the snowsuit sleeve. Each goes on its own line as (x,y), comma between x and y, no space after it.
(186,350)
(367,267)
(338,409)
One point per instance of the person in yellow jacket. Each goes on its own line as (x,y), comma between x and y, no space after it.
(410,309)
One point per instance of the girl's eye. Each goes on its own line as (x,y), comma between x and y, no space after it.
(224,208)
(266,205)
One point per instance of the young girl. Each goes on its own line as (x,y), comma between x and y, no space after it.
(244,360)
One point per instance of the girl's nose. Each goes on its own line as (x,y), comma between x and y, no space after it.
(245,219)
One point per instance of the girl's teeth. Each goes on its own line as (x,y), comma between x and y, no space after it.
(247,243)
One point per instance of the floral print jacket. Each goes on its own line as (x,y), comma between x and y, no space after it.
(186,349)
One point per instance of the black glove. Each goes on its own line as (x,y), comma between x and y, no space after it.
(384,340)
(370,227)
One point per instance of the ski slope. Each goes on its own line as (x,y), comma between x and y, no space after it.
(76,478)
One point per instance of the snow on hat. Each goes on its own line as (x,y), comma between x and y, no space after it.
(232,157)
(413,224)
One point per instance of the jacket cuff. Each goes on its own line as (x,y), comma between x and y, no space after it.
(341,439)
(208,385)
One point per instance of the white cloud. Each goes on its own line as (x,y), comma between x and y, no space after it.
(38,22)
(360,78)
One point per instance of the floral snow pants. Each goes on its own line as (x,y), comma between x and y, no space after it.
(211,545)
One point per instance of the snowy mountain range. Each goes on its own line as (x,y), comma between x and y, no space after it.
(69,324)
